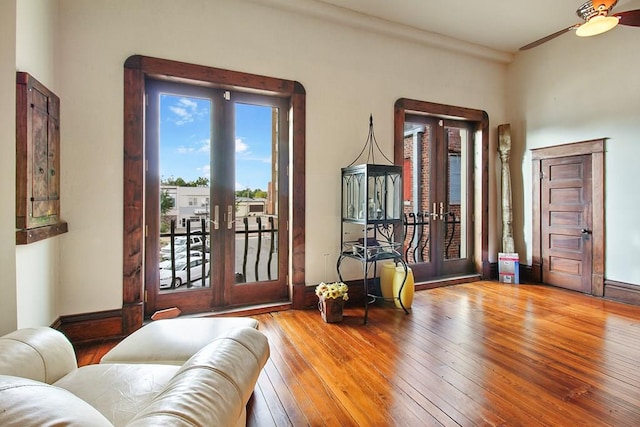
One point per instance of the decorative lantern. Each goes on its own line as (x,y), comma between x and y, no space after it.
(371,226)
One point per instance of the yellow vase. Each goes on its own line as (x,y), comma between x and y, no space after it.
(406,294)
(386,279)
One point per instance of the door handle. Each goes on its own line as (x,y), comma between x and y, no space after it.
(441,211)
(585,231)
(230,220)
(216,215)
(434,214)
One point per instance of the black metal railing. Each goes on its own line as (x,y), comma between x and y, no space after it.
(417,236)
(451,225)
(201,246)
(259,251)
(261,233)
(416,232)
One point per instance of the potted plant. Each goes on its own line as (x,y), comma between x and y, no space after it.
(331,300)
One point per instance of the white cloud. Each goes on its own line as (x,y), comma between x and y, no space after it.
(240,186)
(241,146)
(186,111)
(204,171)
(202,146)
(184,150)
(183,115)
(205,145)
(258,159)
(188,103)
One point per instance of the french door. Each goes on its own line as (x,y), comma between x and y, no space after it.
(438,182)
(215,198)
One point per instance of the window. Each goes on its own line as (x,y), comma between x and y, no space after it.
(454,178)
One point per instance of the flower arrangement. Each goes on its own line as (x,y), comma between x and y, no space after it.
(334,290)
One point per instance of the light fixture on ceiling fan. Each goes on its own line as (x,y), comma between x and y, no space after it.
(598,20)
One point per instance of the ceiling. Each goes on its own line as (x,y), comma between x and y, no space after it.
(502,25)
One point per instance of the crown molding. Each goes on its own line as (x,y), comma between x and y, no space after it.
(321,10)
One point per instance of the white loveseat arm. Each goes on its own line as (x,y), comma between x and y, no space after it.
(27,403)
(212,388)
(41,354)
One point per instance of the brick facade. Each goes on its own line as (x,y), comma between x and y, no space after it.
(417,237)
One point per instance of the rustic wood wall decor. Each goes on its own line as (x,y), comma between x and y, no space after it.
(37,161)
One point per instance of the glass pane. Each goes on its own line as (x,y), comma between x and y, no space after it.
(185,136)
(383,192)
(256,195)
(418,141)
(353,206)
(456,207)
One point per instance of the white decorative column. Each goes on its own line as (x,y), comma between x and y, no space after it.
(504,147)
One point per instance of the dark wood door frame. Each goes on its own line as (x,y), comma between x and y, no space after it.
(595,148)
(136,69)
(479,122)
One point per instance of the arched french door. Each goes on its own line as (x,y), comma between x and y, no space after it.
(437,201)
(137,244)
(440,148)
(217,162)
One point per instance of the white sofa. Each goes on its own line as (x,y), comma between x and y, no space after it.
(41,384)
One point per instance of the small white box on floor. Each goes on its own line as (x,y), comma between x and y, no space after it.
(509,268)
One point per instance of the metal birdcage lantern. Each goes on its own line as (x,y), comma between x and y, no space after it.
(372,213)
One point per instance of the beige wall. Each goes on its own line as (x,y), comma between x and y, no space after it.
(571,90)
(38,264)
(8,308)
(29,273)
(348,73)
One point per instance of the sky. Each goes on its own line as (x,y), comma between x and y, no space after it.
(185,141)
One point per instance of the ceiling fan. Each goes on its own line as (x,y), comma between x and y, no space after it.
(597,20)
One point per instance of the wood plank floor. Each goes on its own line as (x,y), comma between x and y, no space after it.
(476,354)
(482,353)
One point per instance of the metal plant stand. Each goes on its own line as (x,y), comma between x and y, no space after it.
(372,216)
(369,257)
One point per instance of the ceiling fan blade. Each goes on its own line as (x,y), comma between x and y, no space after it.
(549,37)
(630,17)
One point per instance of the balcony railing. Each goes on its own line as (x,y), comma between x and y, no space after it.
(417,236)
(256,252)
(265,248)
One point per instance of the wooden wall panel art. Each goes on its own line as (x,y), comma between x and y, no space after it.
(37,161)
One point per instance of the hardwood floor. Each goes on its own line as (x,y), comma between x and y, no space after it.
(90,354)
(482,353)
(476,354)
